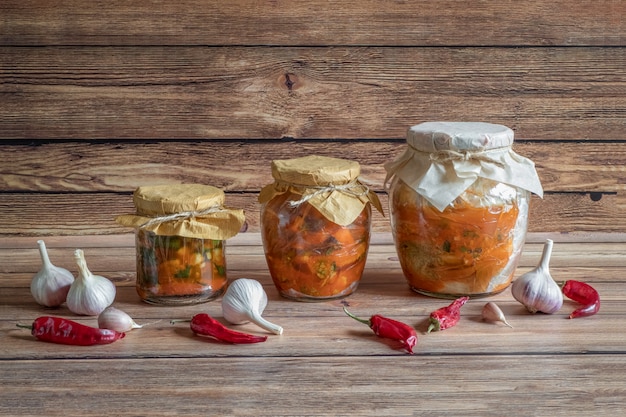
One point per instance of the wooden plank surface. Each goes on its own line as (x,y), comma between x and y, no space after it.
(324,363)
(79,188)
(41,214)
(245,166)
(92,106)
(480,386)
(313,22)
(164,92)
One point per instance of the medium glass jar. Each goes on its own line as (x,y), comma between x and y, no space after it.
(315,225)
(180,240)
(459,204)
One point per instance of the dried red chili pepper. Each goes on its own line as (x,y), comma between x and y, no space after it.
(446,317)
(68,332)
(390,329)
(205,325)
(582,293)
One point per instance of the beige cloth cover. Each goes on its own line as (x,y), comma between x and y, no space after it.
(443,159)
(188,210)
(329,184)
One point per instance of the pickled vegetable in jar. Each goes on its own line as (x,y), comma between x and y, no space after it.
(180,239)
(315,226)
(459,203)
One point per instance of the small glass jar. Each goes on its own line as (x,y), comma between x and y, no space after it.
(315,226)
(178,269)
(180,240)
(459,204)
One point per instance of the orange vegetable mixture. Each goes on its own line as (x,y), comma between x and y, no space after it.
(459,251)
(308,255)
(175,267)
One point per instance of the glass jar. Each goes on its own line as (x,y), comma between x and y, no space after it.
(180,240)
(315,226)
(178,269)
(459,204)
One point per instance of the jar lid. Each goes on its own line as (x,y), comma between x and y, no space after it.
(459,136)
(329,184)
(188,210)
(443,159)
(315,170)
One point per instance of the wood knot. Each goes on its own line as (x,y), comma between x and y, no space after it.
(289,80)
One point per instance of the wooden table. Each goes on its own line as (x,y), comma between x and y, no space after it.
(325,363)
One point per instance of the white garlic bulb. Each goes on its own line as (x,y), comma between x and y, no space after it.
(244,301)
(536,289)
(89,294)
(115,319)
(51,284)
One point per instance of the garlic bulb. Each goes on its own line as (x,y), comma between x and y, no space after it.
(536,289)
(89,294)
(244,301)
(51,284)
(115,319)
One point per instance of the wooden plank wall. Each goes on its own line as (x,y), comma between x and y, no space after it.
(97,98)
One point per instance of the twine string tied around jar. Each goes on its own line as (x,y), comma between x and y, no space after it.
(182,215)
(349,188)
(446,155)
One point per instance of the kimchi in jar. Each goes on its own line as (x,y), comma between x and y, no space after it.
(315,225)
(180,239)
(459,202)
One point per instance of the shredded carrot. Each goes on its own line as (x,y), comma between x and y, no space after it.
(308,254)
(457,251)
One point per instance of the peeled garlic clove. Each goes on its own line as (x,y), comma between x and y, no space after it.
(89,294)
(49,287)
(536,289)
(115,319)
(491,312)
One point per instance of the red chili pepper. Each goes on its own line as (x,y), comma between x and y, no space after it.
(446,317)
(390,329)
(205,325)
(582,293)
(68,332)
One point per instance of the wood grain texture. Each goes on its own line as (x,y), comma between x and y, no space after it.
(313,22)
(245,166)
(363,386)
(57,93)
(94,213)
(325,363)
(115,254)
(79,188)
(97,98)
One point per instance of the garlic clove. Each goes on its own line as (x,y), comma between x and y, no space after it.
(491,312)
(536,289)
(244,301)
(116,319)
(89,294)
(49,286)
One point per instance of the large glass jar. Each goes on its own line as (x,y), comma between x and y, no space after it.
(315,225)
(459,203)
(180,239)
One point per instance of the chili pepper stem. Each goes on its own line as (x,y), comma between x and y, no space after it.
(24,326)
(431,327)
(364,321)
